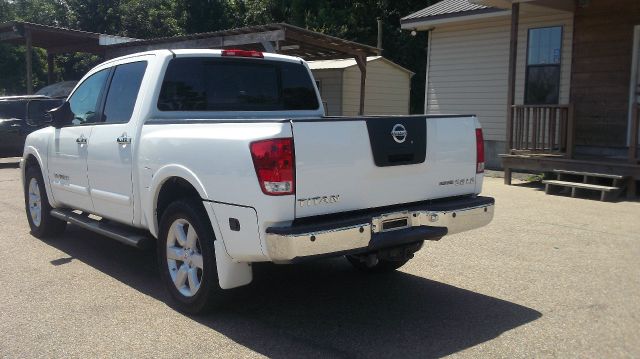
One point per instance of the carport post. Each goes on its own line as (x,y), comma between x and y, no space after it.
(50,68)
(27,55)
(362,64)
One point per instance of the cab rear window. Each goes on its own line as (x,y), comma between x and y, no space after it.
(218,84)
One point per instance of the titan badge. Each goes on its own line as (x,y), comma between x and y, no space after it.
(315,201)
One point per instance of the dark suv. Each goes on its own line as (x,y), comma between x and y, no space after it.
(19,116)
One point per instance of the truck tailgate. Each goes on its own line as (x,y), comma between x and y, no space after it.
(345,164)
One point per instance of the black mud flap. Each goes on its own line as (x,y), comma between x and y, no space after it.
(397,141)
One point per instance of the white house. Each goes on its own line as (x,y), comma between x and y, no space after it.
(387,87)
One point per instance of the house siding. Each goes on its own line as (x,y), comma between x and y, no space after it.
(468,72)
(387,90)
(331,89)
(469,62)
(601,71)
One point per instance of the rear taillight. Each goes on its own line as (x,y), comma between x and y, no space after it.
(274,161)
(479,151)
(243,53)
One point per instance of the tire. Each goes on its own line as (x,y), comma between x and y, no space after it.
(37,207)
(383,266)
(187,265)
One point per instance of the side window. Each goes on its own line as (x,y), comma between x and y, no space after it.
(12,109)
(542,80)
(123,92)
(85,100)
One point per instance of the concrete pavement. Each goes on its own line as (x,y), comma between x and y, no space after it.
(551,276)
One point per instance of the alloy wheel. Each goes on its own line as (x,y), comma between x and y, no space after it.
(184,257)
(35,202)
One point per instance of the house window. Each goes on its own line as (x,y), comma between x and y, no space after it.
(542,81)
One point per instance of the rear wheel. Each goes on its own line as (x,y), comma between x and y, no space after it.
(37,206)
(186,256)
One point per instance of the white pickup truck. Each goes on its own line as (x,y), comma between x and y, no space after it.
(226,158)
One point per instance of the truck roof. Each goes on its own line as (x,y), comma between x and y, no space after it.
(203,52)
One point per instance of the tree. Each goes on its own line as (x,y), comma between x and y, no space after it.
(350,19)
(7,12)
(207,15)
(151,18)
(46,12)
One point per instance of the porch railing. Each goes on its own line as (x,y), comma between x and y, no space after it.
(542,129)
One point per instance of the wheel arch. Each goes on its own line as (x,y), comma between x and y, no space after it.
(32,158)
(231,274)
(169,183)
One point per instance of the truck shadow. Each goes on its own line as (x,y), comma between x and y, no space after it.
(323,308)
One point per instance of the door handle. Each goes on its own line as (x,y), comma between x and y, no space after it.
(81,140)
(123,139)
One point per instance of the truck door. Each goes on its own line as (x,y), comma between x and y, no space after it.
(12,115)
(110,153)
(68,149)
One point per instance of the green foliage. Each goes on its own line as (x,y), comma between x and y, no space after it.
(151,18)
(206,16)
(536,177)
(12,59)
(351,19)
(7,11)
(47,12)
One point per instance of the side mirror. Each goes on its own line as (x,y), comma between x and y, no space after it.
(61,116)
(37,112)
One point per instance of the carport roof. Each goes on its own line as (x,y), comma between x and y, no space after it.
(57,39)
(346,63)
(280,37)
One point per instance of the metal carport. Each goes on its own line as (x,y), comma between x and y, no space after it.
(55,40)
(278,38)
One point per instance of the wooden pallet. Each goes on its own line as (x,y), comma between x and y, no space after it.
(576,181)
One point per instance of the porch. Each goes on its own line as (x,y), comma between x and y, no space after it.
(596,131)
(542,138)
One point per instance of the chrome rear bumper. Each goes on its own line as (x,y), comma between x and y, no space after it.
(378,230)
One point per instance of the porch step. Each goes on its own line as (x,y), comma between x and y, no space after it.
(604,190)
(589,174)
(609,185)
(595,187)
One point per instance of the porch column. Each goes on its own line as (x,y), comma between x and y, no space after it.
(362,64)
(511,86)
(511,89)
(27,57)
